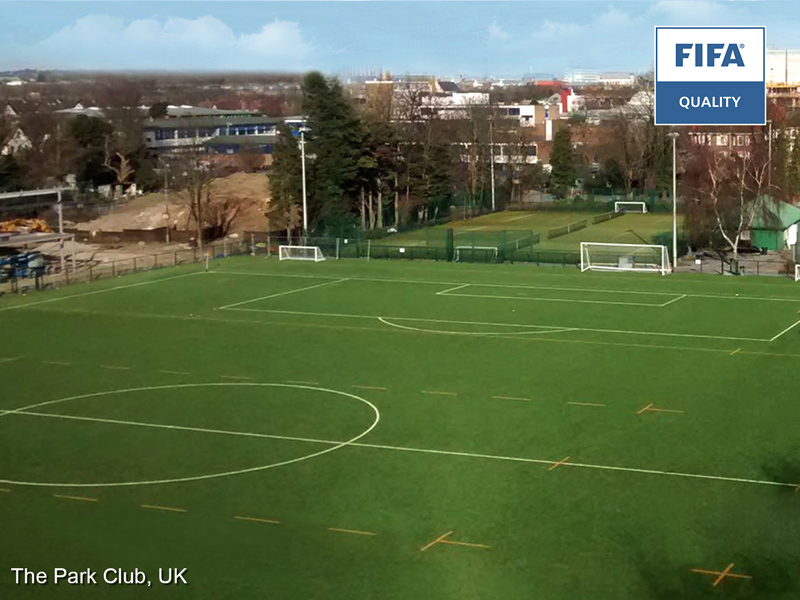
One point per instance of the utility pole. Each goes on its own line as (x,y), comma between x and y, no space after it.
(303,168)
(674,136)
(769,154)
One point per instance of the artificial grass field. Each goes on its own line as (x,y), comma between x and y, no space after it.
(505,227)
(562,435)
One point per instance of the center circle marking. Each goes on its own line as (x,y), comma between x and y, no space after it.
(377,418)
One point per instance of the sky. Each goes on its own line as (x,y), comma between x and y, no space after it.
(446,38)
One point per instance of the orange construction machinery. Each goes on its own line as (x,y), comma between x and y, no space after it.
(24,226)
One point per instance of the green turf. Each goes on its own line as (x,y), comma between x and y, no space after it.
(483,377)
(503,228)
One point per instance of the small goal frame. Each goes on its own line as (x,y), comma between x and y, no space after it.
(621,206)
(797,272)
(309,253)
(627,251)
(494,249)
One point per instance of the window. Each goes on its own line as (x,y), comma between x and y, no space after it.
(513,112)
(740,140)
(722,140)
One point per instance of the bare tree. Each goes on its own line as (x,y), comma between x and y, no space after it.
(732,185)
(195,177)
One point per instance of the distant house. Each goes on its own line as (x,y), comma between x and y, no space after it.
(775,226)
(14,142)
(9,112)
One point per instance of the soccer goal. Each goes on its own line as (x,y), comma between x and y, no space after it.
(300,253)
(467,253)
(797,272)
(623,206)
(597,256)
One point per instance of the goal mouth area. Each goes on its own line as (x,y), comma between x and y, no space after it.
(636,258)
(308,253)
(630,206)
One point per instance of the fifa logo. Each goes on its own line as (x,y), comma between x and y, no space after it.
(731,55)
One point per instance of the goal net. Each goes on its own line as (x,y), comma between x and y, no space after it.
(622,206)
(475,253)
(300,253)
(597,256)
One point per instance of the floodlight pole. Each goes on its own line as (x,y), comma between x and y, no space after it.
(61,232)
(674,137)
(769,154)
(491,157)
(303,168)
(166,197)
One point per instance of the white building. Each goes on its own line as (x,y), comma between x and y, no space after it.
(783,66)
(616,79)
(14,143)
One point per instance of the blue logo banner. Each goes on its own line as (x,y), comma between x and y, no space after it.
(712,103)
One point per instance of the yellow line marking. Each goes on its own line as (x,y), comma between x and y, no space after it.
(355,531)
(736,351)
(115,368)
(559,463)
(436,541)
(437,393)
(57,362)
(511,398)
(236,377)
(79,498)
(646,408)
(721,574)
(586,404)
(303,382)
(369,387)
(174,372)
(167,508)
(257,520)
(469,544)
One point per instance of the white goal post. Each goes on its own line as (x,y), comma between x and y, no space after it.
(597,256)
(797,272)
(492,250)
(623,206)
(300,253)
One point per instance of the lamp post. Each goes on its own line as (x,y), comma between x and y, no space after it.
(166,198)
(674,136)
(303,168)
(769,154)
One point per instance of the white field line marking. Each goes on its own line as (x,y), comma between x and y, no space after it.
(523,326)
(673,300)
(542,273)
(369,387)
(303,289)
(553,299)
(587,404)
(458,287)
(334,445)
(516,459)
(240,377)
(56,362)
(512,398)
(302,382)
(419,329)
(112,289)
(5,490)
(788,329)
(736,351)
(13,358)
(437,393)
(115,368)
(173,372)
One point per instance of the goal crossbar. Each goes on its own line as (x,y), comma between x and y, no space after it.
(312,253)
(645,258)
(633,206)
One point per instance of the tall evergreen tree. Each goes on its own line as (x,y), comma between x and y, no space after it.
(335,141)
(562,176)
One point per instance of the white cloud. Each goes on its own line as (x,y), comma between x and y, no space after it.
(205,43)
(497,33)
